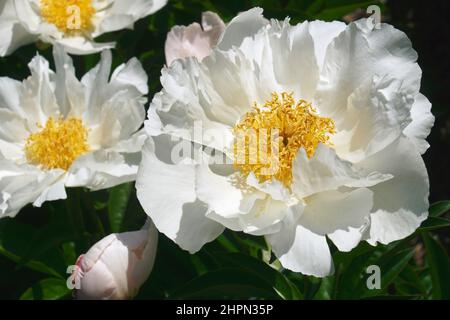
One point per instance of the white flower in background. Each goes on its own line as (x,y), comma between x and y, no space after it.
(116,266)
(351,124)
(57,131)
(71,23)
(194,40)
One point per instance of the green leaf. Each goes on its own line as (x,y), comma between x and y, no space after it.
(410,282)
(390,269)
(117,205)
(15,241)
(433,223)
(439,265)
(226,283)
(47,289)
(273,278)
(439,208)
(326,289)
(390,259)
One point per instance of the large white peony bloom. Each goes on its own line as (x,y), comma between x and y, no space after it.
(350,127)
(71,23)
(57,131)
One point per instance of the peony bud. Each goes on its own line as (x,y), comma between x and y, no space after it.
(116,266)
(194,40)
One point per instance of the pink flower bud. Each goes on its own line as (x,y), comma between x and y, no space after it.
(116,266)
(194,40)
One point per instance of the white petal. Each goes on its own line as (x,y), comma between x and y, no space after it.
(422,122)
(130,74)
(167,194)
(69,90)
(96,83)
(120,118)
(137,8)
(309,253)
(400,204)
(323,34)
(82,46)
(244,25)
(37,97)
(102,169)
(263,215)
(294,62)
(21,185)
(377,113)
(326,171)
(13,128)
(27,14)
(184,96)
(218,192)
(10,95)
(342,215)
(13,33)
(54,192)
(123,13)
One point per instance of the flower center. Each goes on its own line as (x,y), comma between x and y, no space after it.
(68,15)
(58,144)
(268,138)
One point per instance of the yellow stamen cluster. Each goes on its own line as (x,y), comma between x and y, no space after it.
(287,126)
(68,16)
(58,144)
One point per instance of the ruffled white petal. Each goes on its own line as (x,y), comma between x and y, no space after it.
(422,122)
(323,34)
(326,171)
(81,45)
(23,184)
(114,107)
(13,33)
(123,13)
(246,24)
(368,72)
(377,113)
(102,169)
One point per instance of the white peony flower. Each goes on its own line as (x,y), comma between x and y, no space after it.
(350,127)
(57,131)
(194,40)
(71,23)
(116,266)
